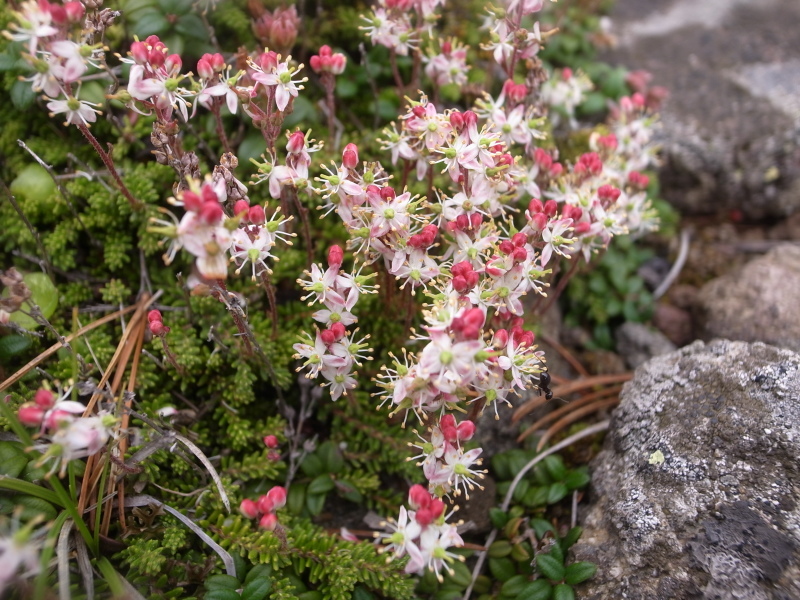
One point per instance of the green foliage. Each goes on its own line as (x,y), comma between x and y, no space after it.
(611,293)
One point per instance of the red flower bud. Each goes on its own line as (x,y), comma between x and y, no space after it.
(388,193)
(158,328)
(338,330)
(57,13)
(582,228)
(500,338)
(256,215)
(211,212)
(278,496)
(268,522)
(191,201)
(139,52)
(242,207)
(30,415)
(75,11)
(466,429)
(457,120)
(265,504)
(335,256)
(550,208)
(519,239)
(204,68)
(539,221)
(327,337)
(418,497)
(270,441)
(248,508)
(506,247)
(44,398)
(154,315)
(350,156)
(296,143)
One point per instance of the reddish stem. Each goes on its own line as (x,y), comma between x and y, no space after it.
(109,163)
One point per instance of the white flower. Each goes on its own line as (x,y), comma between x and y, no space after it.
(281,79)
(78,111)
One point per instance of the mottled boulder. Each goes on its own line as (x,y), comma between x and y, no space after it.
(758,303)
(731,127)
(695,492)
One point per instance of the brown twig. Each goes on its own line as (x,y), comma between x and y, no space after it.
(109,163)
(566,355)
(572,417)
(568,408)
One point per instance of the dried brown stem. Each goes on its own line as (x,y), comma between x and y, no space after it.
(109,163)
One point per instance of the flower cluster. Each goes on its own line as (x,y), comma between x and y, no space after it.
(70,436)
(422,534)
(265,508)
(333,351)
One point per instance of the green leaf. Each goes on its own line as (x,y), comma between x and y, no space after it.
(257,589)
(500,548)
(315,503)
(192,26)
(321,485)
(557,552)
(563,592)
(296,499)
(258,572)
(502,569)
(12,459)
(22,96)
(554,465)
(461,576)
(577,479)
(542,527)
(361,593)
(498,517)
(550,567)
(33,507)
(556,493)
(573,535)
(150,22)
(348,491)
(222,594)
(11,345)
(222,582)
(536,496)
(536,590)
(579,572)
(523,485)
(312,465)
(346,88)
(501,467)
(331,457)
(514,586)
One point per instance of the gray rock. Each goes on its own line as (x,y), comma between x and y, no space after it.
(695,492)
(731,127)
(755,303)
(637,343)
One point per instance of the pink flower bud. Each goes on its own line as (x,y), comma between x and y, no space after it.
(466,429)
(271,441)
(506,247)
(30,415)
(140,52)
(638,100)
(608,193)
(204,68)
(638,180)
(475,220)
(460,284)
(75,11)
(418,497)
(44,398)
(265,504)
(268,522)
(350,156)
(217,61)
(450,433)
(566,74)
(338,330)
(608,142)
(500,339)
(447,420)
(158,329)
(542,158)
(338,63)
(325,50)
(535,206)
(550,208)
(154,315)
(273,456)
(519,239)
(58,13)
(316,63)
(327,337)
(191,201)
(156,57)
(457,120)
(296,143)
(447,47)
(519,255)
(256,215)
(539,221)
(278,496)
(211,213)
(248,508)
(388,193)
(474,317)
(173,63)
(582,228)
(241,208)
(556,169)
(268,61)
(335,256)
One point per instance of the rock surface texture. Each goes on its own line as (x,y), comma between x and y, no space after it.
(731,127)
(696,490)
(755,304)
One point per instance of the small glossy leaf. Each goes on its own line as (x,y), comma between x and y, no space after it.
(312,465)
(11,345)
(315,503)
(520,553)
(522,488)
(501,467)
(192,26)
(296,499)
(514,586)
(542,527)
(33,507)
(502,569)
(537,590)
(500,548)
(43,293)
(556,493)
(257,589)
(321,485)
(258,572)
(576,479)
(151,22)
(499,517)
(579,572)
(557,553)
(550,567)
(536,496)
(563,592)
(12,459)
(331,456)
(222,594)
(554,465)
(573,535)
(461,576)
(222,582)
